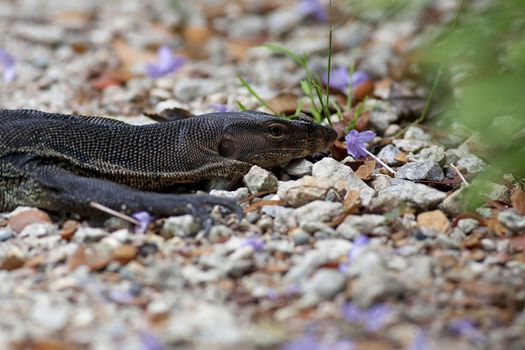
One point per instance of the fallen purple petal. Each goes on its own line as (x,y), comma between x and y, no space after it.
(311,342)
(372,319)
(167,63)
(313,8)
(256,243)
(144,218)
(219,107)
(420,341)
(151,342)
(340,79)
(306,342)
(357,247)
(359,77)
(272,294)
(8,63)
(376,317)
(466,328)
(122,296)
(355,142)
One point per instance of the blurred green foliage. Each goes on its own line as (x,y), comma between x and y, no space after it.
(483,82)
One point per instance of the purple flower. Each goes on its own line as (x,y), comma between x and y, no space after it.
(306,342)
(151,342)
(420,341)
(254,242)
(359,77)
(293,290)
(8,63)
(144,218)
(373,319)
(167,63)
(272,294)
(355,142)
(356,249)
(219,107)
(121,296)
(313,8)
(340,79)
(311,342)
(465,327)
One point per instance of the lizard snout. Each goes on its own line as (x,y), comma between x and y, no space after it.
(330,135)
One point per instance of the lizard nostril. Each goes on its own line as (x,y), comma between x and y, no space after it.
(331,134)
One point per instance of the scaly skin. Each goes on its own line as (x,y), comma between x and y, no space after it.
(63,162)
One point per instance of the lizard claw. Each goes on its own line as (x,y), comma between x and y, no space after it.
(197,208)
(228,203)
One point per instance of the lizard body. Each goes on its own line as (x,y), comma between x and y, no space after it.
(63,162)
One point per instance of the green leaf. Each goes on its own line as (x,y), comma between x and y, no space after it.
(295,57)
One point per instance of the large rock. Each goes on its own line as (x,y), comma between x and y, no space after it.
(414,195)
(388,154)
(306,189)
(422,170)
(339,174)
(260,180)
(318,211)
(435,153)
(372,224)
(324,284)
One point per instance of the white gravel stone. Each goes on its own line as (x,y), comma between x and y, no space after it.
(512,220)
(422,170)
(182,226)
(260,180)
(415,195)
(336,173)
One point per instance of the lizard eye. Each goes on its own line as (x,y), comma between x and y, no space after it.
(276,130)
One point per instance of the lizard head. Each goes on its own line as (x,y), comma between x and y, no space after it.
(259,138)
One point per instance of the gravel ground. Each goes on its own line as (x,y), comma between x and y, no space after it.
(331,253)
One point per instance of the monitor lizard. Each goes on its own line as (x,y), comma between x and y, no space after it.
(62,162)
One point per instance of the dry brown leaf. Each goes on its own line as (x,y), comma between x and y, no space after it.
(27,217)
(195,39)
(351,199)
(383,88)
(237,48)
(84,256)
(362,90)
(125,253)
(75,19)
(41,344)
(285,102)
(12,262)
(518,201)
(115,77)
(401,157)
(261,204)
(68,229)
(435,219)
(35,261)
(472,242)
(517,244)
(366,170)
(494,225)
(130,56)
(339,151)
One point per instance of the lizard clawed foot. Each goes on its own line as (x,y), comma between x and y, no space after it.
(228,203)
(198,209)
(197,205)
